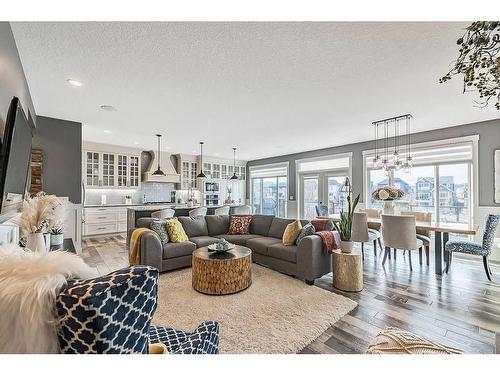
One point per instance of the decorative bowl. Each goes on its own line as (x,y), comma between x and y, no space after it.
(218,249)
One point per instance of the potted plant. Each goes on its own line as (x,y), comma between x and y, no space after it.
(56,234)
(344,226)
(36,215)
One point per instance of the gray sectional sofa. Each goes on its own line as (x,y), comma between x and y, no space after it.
(306,261)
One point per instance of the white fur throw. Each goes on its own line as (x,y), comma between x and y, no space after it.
(29,283)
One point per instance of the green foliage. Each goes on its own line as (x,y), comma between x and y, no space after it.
(479,61)
(344,226)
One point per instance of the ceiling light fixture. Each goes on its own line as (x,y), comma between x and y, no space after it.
(109,108)
(234,176)
(158,171)
(107,131)
(74,82)
(201,174)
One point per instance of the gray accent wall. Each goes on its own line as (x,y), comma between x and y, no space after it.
(12,78)
(489,141)
(61,143)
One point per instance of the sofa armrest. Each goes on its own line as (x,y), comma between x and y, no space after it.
(151,250)
(312,262)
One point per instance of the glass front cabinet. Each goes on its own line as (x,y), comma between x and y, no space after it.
(110,170)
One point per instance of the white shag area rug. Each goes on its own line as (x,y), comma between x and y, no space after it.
(276,314)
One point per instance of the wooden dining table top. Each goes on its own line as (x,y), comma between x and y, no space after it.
(433,226)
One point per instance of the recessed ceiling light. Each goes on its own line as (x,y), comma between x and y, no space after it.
(105,107)
(74,82)
(107,131)
(136,143)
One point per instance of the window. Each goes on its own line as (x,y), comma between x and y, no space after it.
(269,189)
(320,181)
(439,182)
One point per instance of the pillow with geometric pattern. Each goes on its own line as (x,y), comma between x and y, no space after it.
(159,226)
(307,230)
(240,224)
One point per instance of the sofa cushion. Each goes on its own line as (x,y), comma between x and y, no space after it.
(238,239)
(292,231)
(260,224)
(194,227)
(260,245)
(307,230)
(217,224)
(176,231)
(278,227)
(144,222)
(174,250)
(161,230)
(283,252)
(202,241)
(239,224)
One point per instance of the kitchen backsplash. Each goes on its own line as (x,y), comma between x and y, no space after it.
(154,191)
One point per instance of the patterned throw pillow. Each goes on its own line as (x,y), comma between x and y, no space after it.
(307,230)
(291,233)
(239,224)
(175,231)
(110,314)
(159,226)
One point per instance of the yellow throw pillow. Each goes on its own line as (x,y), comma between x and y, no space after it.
(292,231)
(175,231)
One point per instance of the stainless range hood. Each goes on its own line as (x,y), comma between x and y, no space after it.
(170,174)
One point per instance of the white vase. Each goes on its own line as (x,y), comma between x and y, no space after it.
(56,239)
(346,246)
(36,242)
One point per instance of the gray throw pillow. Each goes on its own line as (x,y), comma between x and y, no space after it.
(161,229)
(307,230)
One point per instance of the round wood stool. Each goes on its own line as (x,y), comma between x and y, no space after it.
(224,273)
(347,271)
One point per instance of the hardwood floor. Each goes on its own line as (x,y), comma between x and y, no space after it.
(461,309)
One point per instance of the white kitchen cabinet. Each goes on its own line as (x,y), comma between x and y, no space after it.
(188,170)
(111,170)
(104,220)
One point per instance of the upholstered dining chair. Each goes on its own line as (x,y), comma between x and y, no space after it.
(361,233)
(321,209)
(224,210)
(373,213)
(163,214)
(200,211)
(400,232)
(242,210)
(423,235)
(483,249)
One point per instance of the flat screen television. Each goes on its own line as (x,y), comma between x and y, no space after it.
(15,155)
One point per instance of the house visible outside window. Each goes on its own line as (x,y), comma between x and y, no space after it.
(440,182)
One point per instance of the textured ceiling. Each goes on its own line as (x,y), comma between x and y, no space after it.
(266,88)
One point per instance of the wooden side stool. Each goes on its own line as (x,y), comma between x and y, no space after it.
(347,271)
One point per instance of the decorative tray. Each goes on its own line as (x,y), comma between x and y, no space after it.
(213,247)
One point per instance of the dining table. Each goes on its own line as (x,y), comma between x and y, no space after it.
(441,231)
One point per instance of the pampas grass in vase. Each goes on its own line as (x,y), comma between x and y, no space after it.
(37,214)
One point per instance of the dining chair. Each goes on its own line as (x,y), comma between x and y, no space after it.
(372,213)
(242,210)
(224,210)
(423,235)
(361,233)
(321,209)
(200,211)
(400,232)
(163,214)
(468,247)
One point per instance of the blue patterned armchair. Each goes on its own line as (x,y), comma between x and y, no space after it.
(112,314)
(469,247)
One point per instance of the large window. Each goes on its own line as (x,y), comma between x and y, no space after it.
(439,182)
(269,189)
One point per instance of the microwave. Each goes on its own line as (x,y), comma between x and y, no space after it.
(211,187)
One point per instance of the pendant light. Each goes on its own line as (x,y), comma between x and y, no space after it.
(158,171)
(234,176)
(201,174)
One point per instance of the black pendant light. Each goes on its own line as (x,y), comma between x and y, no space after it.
(201,174)
(158,171)
(234,177)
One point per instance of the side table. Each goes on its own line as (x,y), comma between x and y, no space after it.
(347,271)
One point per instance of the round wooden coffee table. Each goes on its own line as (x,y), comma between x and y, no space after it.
(225,273)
